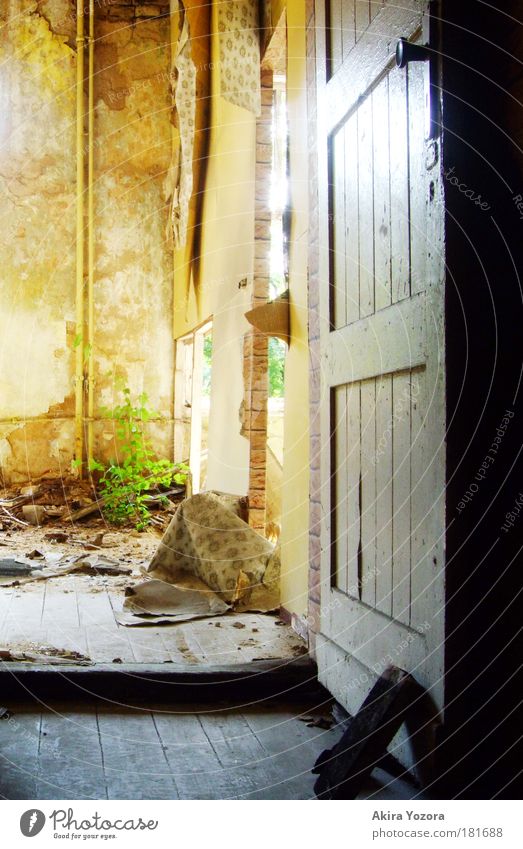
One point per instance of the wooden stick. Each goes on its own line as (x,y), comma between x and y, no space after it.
(13,518)
(85,511)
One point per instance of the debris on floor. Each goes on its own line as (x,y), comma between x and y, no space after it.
(343,769)
(99,564)
(57,536)
(10,567)
(69,500)
(35,514)
(209,560)
(44,655)
(155,602)
(92,577)
(324,722)
(207,538)
(85,564)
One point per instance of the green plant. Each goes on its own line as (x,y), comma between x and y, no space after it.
(276,367)
(126,482)
(207,365)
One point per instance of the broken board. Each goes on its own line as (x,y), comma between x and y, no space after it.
(343,769)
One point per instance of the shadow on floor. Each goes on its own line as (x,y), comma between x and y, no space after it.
(107,751)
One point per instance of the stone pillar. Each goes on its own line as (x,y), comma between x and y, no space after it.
(256,343)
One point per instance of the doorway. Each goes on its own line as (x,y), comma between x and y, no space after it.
(192,394)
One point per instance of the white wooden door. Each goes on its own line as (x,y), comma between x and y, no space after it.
(382,355)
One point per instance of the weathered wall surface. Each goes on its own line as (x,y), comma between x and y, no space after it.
(228,259)
(227,262)
(133,259)
(314,336)
(296,454)
(37,174)
(133,274)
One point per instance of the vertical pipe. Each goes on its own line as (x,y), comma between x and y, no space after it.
(90,238)
(79,436)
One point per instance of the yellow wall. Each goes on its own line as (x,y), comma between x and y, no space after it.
(227,258)
(37,220)
(295,488)
(133,274)
(133,260)
(228,234)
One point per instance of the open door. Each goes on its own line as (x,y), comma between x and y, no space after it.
(382,352)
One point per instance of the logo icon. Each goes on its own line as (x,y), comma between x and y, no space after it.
(32,822)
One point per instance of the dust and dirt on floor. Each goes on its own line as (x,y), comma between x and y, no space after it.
(72,588)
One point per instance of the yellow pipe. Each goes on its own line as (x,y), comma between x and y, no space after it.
(79,389)
(90,238)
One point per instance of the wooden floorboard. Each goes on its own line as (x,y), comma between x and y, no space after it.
(135,764)
(290,747)
(19,744)
(70,761)
(193,761)
(239,752)
(22,617)
(77,612)
(125,652)
(191,751)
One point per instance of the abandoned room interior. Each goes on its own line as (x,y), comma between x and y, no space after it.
(260,315)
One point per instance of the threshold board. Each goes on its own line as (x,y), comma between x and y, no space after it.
(170,682)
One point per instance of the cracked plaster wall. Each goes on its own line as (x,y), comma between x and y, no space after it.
(227,270)
(37,73)
(133,272)
(133,288)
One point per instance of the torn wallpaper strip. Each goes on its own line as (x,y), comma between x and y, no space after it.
(183,85)
(238,26)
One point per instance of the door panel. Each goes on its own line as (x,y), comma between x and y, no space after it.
(377,204)
(367,532)
(381,194)
(381,306)
(377,461)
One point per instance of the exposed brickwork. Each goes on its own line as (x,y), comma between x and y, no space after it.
(255,370)
(131,11)
(314,337)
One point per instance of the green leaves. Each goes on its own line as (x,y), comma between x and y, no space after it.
(127,482)
(276,367)
(95,466)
